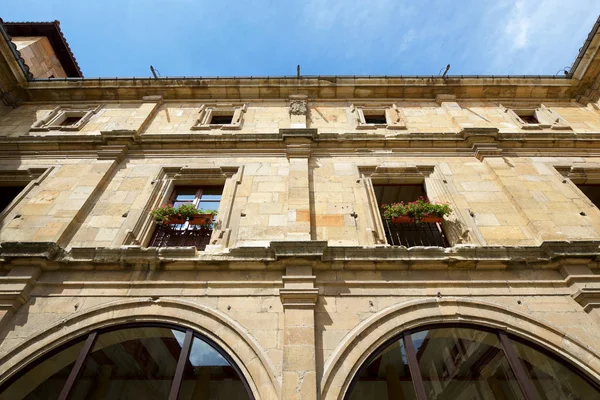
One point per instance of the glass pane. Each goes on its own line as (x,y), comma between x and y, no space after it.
(553,379)
(386,377)
(185,197)
(179,203)
(464,363)
(46,380)
(214,197)
(134,363)
(208,205)
(212,191)
(207,375)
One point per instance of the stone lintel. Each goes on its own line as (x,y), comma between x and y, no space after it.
(303,248)
(442,98)
(588,298)
(468,131)
(15,288)
(483,150)
(299,298)
(114,152)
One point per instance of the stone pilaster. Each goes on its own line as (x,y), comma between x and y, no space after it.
(299,297)
(299,142)
(14,291)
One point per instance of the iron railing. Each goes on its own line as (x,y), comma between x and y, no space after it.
(414,234)
(182,235)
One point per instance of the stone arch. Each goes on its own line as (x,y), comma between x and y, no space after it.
(365,338)
(234,339)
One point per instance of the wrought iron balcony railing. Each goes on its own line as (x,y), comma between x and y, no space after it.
(414,234)
(182,235)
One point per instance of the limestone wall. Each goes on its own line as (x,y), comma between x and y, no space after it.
(498,201)
(38,54)
(267,117)
(298,283)
(356,310)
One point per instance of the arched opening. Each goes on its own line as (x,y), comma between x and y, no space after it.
(466,362)
(146,361)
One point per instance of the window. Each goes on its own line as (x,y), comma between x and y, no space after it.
(8,194)
(224,119)
(70,121)
(220,117)
(411,233)
(464,362)
(536,118)
(527,116)
(592,192)
(65,119)
(373,116)
(585,181)
(189,232)
(138,361)
(15,185)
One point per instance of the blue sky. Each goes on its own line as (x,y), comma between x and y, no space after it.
(327,37)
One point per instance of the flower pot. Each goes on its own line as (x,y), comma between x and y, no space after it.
(201,219)
(403,219)
(432,218)
(175,220)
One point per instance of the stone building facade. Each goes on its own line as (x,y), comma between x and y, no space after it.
(299,284)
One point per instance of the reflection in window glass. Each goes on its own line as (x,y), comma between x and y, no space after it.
(134,363)
(553,379)
(386,377)
(207,375)
(46,380)
(461,363)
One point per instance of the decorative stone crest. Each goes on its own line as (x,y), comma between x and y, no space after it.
(298,107)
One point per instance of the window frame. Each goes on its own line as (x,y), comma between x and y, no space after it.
(28,178)
(187,226)
(229,177)
(458,229)
(506,341)
(90,338)
(393,116)
(546,117)
(206,113)
(52,121)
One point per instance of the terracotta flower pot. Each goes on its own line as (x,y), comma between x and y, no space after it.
(403,219)
(432,218)
(201,219)
(175,220)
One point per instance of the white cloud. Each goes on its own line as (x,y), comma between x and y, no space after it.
(517,28)
(523,35)
(407,39)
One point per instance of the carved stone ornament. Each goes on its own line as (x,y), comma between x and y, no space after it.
(298,107)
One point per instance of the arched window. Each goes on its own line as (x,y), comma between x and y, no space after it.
(467,363)
(132,362)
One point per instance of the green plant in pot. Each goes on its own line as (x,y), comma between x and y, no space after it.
(197,216)
(420,210)
(167,214)
(164,213)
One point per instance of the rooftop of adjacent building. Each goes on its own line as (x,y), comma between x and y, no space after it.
(24,35)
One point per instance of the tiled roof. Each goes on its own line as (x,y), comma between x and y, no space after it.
(52,31)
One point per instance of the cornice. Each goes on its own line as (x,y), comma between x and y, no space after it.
(508,88)
(115,144)
(549,254)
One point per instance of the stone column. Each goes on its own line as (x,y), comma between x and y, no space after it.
(299,297)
